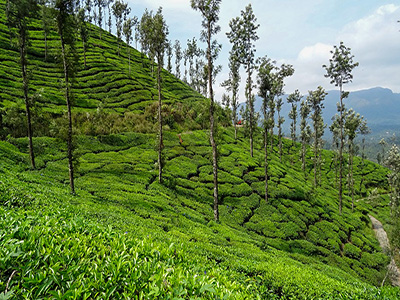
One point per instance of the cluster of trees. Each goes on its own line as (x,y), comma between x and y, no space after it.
(71,18)
(270,83)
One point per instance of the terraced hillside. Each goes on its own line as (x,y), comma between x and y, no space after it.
(126,236)
(104,82)
(294,247)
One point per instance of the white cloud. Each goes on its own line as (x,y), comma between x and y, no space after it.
(312,53)
(375,43)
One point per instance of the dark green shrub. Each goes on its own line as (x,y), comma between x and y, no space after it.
(351,251)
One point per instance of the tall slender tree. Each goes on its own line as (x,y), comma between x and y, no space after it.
(315,99)
(293,99)
(45,13)
(281,120)
(88,7)
(265,86)
(109,23)
(277,91)
(66,27)
(243,35)
(19,12)
(127,30)
(339,71)
(158,45)
(305,131)
(178,58)
(364,130)
(209,10)
(232,85)
(100,6)
(146,23)
(120,10)
(192,52)
(83,31)
(335,130)
(169,56)
(352,126)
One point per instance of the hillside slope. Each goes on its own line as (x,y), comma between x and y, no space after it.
(105,82)
(126,236)
(295,246)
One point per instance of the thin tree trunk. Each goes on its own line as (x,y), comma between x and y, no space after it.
(280,136)
(45,46)
(320,168)
(100,23)
(272,132)
(129,59)
(341,151)
(303,156)
(251,109)
(315,153)
(266,163)
(25,84)
(235,121)
(351,175)
(293,128)
(84,53)
(160,127)
(348,171)
(362,164)
(336,164)
(69,137)
(212,130)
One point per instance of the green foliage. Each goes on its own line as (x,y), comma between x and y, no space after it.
(162,242)
(103,83)
(351,251)
(117,186)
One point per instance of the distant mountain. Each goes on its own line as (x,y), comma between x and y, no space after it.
(379,106)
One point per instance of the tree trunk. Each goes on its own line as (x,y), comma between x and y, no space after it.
(84,53)
(303,156)
(341,150)
(69,136)
(251,109)
(129,59)
(100,23)
(45,46)
(280,136)
(25,85)
(272,132)
(362,165)
(293,129)
(351,175)
(315,153)
(266,163)
(235,122)
(320,168)
(160,127)
(212,129)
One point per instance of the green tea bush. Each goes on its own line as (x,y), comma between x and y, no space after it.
(351,251)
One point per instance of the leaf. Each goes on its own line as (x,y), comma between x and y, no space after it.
(207,287)
(5,296)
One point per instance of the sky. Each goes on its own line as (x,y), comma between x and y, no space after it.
(302,33)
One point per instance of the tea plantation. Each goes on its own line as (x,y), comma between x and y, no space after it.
(124,235)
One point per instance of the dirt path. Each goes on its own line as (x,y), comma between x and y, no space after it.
(394,272)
